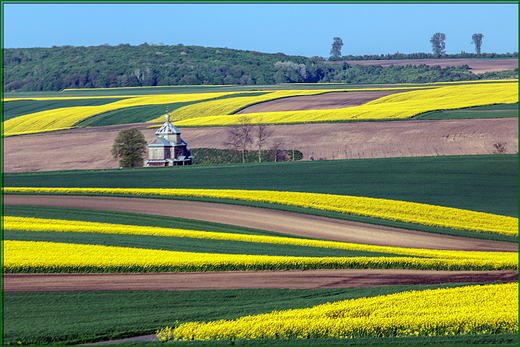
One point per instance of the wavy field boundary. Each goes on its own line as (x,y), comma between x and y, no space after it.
(40,224)
(75,329)
(65,118)
(376,208)
(223,112)
(475,310)
(396,106)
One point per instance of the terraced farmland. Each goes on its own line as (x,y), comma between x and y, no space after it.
(108,254)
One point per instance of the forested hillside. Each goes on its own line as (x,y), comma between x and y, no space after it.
(58,68)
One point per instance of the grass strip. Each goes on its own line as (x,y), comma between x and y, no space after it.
(480,112)
(60,318)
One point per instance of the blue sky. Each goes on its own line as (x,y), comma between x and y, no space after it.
(295,28)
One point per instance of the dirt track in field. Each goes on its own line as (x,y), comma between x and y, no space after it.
(293,279)
(278,221)
(90,148)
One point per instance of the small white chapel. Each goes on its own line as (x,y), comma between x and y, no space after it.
(168,149)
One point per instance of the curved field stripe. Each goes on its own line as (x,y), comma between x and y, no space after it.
(220,108)
(30,256)
(403,211)
(395,106)
(70,98)
(39,224)
(65,118)
(488,309)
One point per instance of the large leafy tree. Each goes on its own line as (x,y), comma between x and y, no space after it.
(438,45)
(129,147)
(335,51)
(476,39)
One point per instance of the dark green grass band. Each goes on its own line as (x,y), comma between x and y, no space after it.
(478,112)
(482,183)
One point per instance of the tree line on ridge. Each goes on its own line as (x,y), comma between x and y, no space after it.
(105,66)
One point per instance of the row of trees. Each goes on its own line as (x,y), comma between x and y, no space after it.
(242,136)
(439,46)
(58,68)
(437,41)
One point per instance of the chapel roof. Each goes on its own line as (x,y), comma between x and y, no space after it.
(167,127)
(159,142)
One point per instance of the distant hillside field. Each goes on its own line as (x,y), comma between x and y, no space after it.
(476,66)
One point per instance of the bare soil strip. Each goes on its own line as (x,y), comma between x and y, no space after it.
(325,101)
(89,148)
(293,279)
(278,221)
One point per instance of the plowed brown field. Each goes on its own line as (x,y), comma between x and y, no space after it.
(90,148)
(476,66)
(328,101)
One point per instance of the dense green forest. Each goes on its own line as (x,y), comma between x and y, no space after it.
(105,66)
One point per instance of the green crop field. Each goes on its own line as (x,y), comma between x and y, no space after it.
(492,111)
(487,183)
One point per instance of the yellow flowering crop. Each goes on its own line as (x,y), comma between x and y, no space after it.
(69,97)
(396,106)
(403,211)
(149,87)
(475,309)
(40,224)
(47,257)
(67,117)
(228,106)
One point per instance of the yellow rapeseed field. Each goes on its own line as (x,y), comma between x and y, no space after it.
(228,106)
(396,106)
(419,99)
(403,211)
(40,224)
(65,118)
(47,257)
(487,309)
